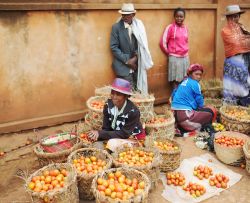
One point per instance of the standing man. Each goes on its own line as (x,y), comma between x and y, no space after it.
(129,47)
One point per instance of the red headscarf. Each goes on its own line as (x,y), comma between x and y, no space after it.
(193,68)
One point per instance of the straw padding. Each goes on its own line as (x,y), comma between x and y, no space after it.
(94,124)
(170,158)
(212,88)
(145,104)
(69,193)
(85,179)
(230,155)
(46,158)
(103,91)
(152,169)
(129,173)
(234,124)
(165,129)
(246,150)
(217,103)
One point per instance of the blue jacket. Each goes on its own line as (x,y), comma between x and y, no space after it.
(187,96)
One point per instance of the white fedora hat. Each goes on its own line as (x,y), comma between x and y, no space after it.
(127,9)
(233,9)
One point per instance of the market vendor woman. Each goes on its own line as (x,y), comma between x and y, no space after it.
(188,102)
(121,118)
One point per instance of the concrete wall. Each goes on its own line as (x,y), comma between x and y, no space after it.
(51,60)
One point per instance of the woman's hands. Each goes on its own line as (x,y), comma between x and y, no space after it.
(93,135)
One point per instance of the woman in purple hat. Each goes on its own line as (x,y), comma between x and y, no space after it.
(121,118)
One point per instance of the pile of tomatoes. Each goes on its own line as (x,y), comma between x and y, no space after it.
(97,104)
(135,157)
(157,120)
(195,189)
(202,172)
(175,178)
(49,180)
(89,165)
(118,186)
(229,141)
(166,146)
(219,180)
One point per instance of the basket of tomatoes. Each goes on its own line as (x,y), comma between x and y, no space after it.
(228,147)
(94,117)
(89,162)
(121,185)
(103,91)
(161,126)
(246,149)
(170,151)
(146,160)
(53,183)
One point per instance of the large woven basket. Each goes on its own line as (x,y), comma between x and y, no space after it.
(129,173)
(45,158)
(233,156)
(171,158)
(95,116)
(165,129)
(152,170)
(234,124)
(246,149)
(212,88)
(85,179)
(103,91)
(69,193)
(217,103)
(145,104)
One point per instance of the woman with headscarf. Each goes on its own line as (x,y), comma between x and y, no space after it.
(121,118)
(188,102)
(236,38)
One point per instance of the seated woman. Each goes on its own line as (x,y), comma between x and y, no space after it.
(188,102)
(121,118)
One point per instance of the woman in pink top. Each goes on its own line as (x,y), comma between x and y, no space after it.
(174,43)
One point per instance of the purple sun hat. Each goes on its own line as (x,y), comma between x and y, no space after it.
(122,86)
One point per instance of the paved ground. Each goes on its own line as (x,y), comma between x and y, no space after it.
(12,188)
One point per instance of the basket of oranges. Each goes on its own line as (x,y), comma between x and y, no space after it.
(236,118)
(53,183)
(246,149)
(94,117)
(145,104)
(89,162)
(146,160)
(228,147)
(161,126)
(121,185)
(170,151)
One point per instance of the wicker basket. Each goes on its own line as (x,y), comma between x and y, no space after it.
(217,103)
(69,193)
(212,88)
(45,158)
(165,129)
(152,170)
(84,128)
(145,104)
(246,149)
(103,91)
(84,179)
(233,156)
(94,118)
(129,173)
(170,159)
(234,124)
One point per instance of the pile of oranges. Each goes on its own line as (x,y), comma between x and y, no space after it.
(157,120)
(202,172)
(194,189)
(90,165)
(84,137)
(237,113)
(175,178)
(118,186)
(229,141)
(219,180)
(135,157)
(97,104)
(49,180)
(166,146)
